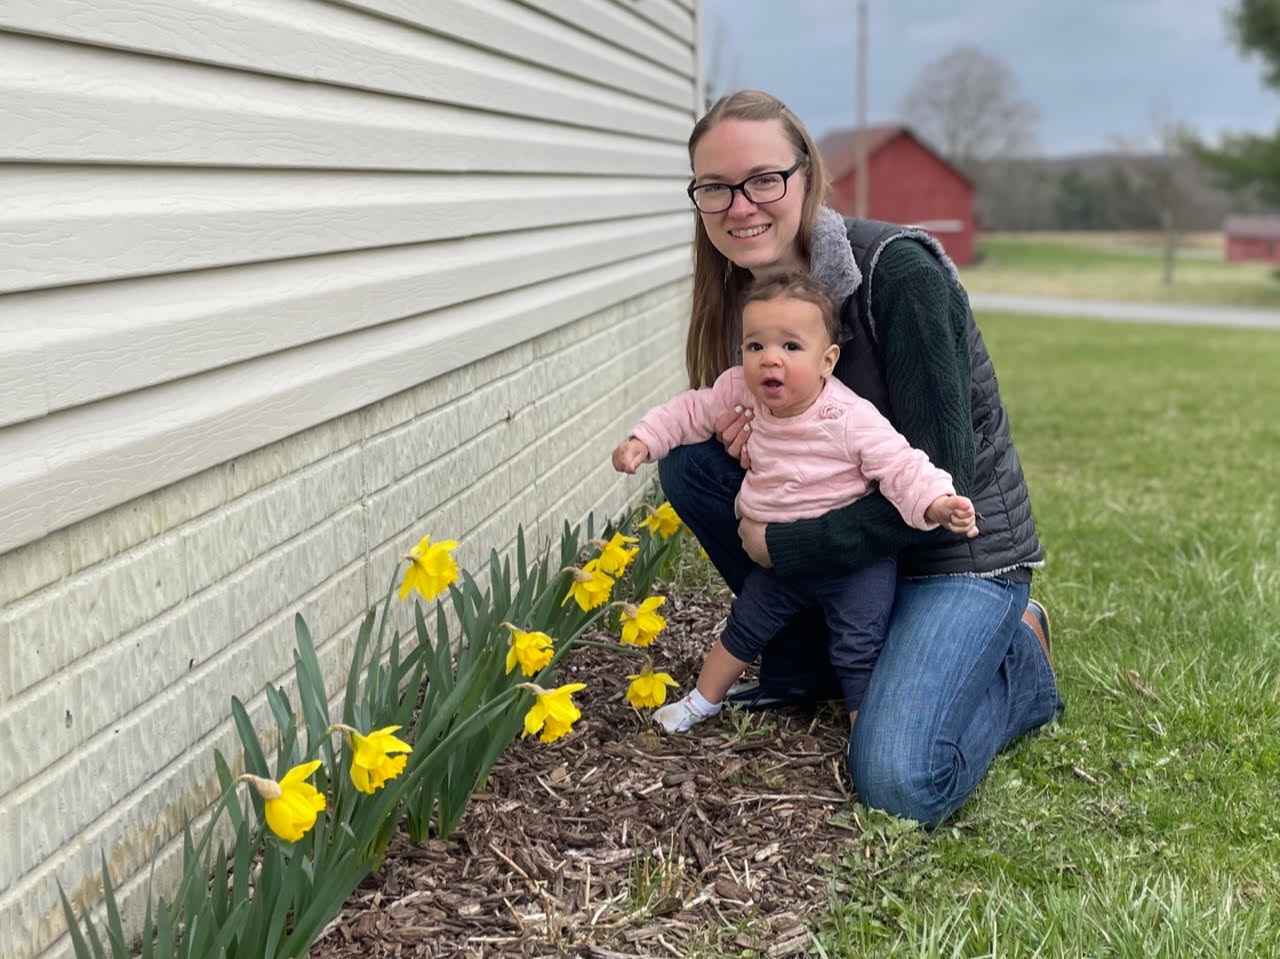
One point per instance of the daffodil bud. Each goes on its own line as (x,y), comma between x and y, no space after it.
(267,788)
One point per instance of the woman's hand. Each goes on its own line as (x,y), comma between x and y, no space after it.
(751,532)
(733,429)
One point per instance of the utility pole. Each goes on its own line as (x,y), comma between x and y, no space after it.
(860,136)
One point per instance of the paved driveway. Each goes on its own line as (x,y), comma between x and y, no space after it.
(1246,318)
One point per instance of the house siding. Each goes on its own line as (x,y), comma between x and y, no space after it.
(282,289)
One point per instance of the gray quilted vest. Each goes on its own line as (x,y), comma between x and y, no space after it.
(1008,539)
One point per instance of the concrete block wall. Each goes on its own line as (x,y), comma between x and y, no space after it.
(123,636)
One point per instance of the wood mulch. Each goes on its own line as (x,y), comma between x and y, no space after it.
(621,841)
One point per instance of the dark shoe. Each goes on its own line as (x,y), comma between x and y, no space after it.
(1036,617)
(753,696)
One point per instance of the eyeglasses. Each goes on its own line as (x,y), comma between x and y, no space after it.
(758,189)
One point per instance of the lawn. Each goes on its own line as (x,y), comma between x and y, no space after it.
(1147,822)
(1117,267)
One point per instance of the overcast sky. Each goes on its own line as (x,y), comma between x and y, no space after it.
(1093,68)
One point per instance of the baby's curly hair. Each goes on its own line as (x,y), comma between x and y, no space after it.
(795,285)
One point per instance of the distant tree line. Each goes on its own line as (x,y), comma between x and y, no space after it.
(1110,191)
(967,105)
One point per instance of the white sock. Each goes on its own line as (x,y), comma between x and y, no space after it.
(682,715)
(702,704)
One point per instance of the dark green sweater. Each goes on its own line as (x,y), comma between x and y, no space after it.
(920,323)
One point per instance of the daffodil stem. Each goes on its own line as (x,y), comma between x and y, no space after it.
(386,603)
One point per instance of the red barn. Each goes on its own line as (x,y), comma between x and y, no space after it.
(907,183)
(1252,238)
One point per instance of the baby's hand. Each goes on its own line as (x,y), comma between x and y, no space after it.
(629,455)
(954,513)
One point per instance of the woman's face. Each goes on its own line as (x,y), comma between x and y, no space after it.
(759,238)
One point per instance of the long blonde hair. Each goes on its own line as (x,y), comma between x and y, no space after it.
(718,283)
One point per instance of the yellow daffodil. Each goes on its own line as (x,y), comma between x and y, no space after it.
(375,758)
(649,689)
(291,805)
(662,521)
(553,713)
(640,624)
(532,650)
(617,554)
(590,587)
(431,568)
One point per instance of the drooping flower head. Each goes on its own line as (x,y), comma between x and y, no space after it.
(431,568)
(616,555)
(290,805)
(649,689)
(590,587)
(375,758)
(532,650)
(662,521)
(553,713)
(641,624)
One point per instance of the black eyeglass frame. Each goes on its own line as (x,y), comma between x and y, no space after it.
(742,187)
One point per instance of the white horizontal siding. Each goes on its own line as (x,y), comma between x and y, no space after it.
(223,221)
(71,103)
(518,32)
(69,465)
(63,224)
(309,41)
(657,29)
(98,342)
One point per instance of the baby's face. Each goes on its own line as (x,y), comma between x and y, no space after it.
(786,354)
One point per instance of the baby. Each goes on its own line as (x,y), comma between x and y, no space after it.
(815,446)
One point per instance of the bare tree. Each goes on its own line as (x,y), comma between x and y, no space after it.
(1155,162)
(966,104)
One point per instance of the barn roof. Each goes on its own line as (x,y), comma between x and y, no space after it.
(839,148)
(1265,227)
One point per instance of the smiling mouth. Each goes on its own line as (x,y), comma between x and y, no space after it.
(745,233)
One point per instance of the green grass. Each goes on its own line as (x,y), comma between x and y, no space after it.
(1104,267)
(1147,823)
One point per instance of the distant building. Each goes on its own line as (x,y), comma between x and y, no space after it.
(908,183)
(1252,238)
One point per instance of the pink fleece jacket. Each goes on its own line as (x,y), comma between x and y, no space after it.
(806,465)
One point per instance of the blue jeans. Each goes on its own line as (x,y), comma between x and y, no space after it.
(959,677)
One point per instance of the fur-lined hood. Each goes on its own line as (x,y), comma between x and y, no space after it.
(832,261)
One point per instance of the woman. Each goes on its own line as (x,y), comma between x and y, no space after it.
(965,667)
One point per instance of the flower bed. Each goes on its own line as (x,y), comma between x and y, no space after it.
(424,718)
